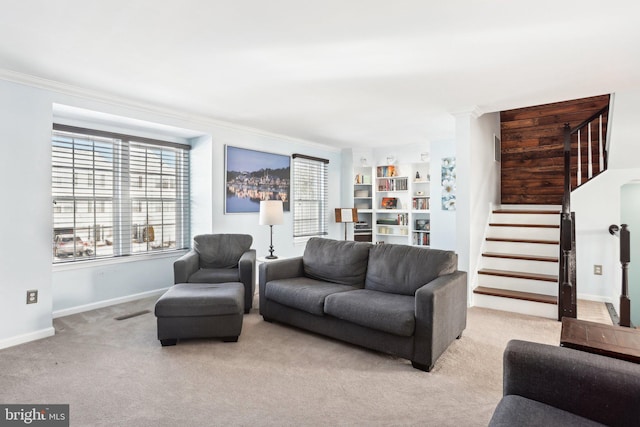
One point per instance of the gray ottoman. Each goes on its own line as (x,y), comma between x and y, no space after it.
(200,310)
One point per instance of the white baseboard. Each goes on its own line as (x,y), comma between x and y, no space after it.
(596,298)
(25,338)
(106,303)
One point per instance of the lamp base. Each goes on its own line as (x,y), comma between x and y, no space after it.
(271,257)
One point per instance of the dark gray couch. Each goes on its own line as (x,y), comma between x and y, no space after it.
(407,301)
(556,386)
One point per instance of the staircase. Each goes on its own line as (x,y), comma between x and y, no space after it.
(519,267)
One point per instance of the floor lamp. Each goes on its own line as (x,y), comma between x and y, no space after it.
(346,216)
(271,213)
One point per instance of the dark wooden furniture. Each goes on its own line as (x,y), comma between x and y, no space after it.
(608,340)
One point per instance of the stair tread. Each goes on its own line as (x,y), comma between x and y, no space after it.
(521,257)
(504,239)
(500,224)
(526,211)
(519,275)
(527,296)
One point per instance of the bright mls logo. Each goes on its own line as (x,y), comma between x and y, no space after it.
(34,415)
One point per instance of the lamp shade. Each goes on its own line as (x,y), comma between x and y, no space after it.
(271,212)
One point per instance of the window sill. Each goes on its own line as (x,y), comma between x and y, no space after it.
(91,263)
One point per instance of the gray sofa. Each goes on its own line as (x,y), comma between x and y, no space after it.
(557,386)
(406,301)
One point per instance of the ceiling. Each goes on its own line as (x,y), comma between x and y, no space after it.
(346,73)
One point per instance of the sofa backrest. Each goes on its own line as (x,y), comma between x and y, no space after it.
(402,269)
(221,250)
(337,261)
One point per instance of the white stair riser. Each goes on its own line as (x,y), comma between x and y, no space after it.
(526,219)
(536,233)
(524,266)
(516,306)
(515,284)
(522,248)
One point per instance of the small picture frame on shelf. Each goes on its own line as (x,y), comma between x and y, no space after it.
(422,224)
(389,203)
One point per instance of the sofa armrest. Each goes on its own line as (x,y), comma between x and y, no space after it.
(599,388)
(280,269)
(185,266)
(247,272)
(441,316)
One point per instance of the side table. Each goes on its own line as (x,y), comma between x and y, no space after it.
(608,340)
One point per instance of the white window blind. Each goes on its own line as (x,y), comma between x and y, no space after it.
(116,195)
(310,196)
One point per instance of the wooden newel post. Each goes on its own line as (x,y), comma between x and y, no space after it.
(625,258)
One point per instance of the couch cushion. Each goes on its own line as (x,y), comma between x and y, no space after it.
(215,275)
(336,261)
(221,250)
(519,411)
(385,312)
(402,269)
(303,293)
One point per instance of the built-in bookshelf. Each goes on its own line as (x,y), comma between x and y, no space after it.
(393,203)
(363,202)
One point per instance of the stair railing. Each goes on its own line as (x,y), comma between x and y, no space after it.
(567,292)
(625,257)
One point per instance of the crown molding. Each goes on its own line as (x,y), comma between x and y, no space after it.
(143,107)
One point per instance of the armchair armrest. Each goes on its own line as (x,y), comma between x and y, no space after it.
(247,272)
(441,316)
(599,388)
(280,269)
(185,266)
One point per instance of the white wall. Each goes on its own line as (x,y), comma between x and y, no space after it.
(26,216)
(25,223)
(630,208)
(598,204)
(478,186)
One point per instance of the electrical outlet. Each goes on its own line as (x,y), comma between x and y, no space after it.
(597,270)
(32,296)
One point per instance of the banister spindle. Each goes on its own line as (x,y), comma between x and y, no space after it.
(600,149)
(589,154)
(579,177)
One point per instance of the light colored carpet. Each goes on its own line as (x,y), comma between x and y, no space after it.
(116,373)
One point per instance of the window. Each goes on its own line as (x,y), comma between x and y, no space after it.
(310,196)
(116,195)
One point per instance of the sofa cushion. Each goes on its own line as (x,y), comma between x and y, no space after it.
(337,261)
(514,410)
(303,293)
(221,250)
(385,312)
(215,275)
(402,269)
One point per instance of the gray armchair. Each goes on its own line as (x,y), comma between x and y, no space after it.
(557,386)
(219,258)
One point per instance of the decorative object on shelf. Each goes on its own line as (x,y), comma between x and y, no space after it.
(271,213)
(417,176)
(346,216)
(449,184)
(424,156)
(252,176)
(422,224)
(389,203)
(390,159)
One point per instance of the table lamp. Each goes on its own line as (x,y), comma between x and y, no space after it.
(271,213)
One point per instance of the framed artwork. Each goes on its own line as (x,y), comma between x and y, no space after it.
(389,203)
(449,184)
(252,176)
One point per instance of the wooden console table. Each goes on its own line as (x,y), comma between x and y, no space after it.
(608,340)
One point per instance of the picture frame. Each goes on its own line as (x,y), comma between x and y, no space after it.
(422,225)
(389,203)
(252,176)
